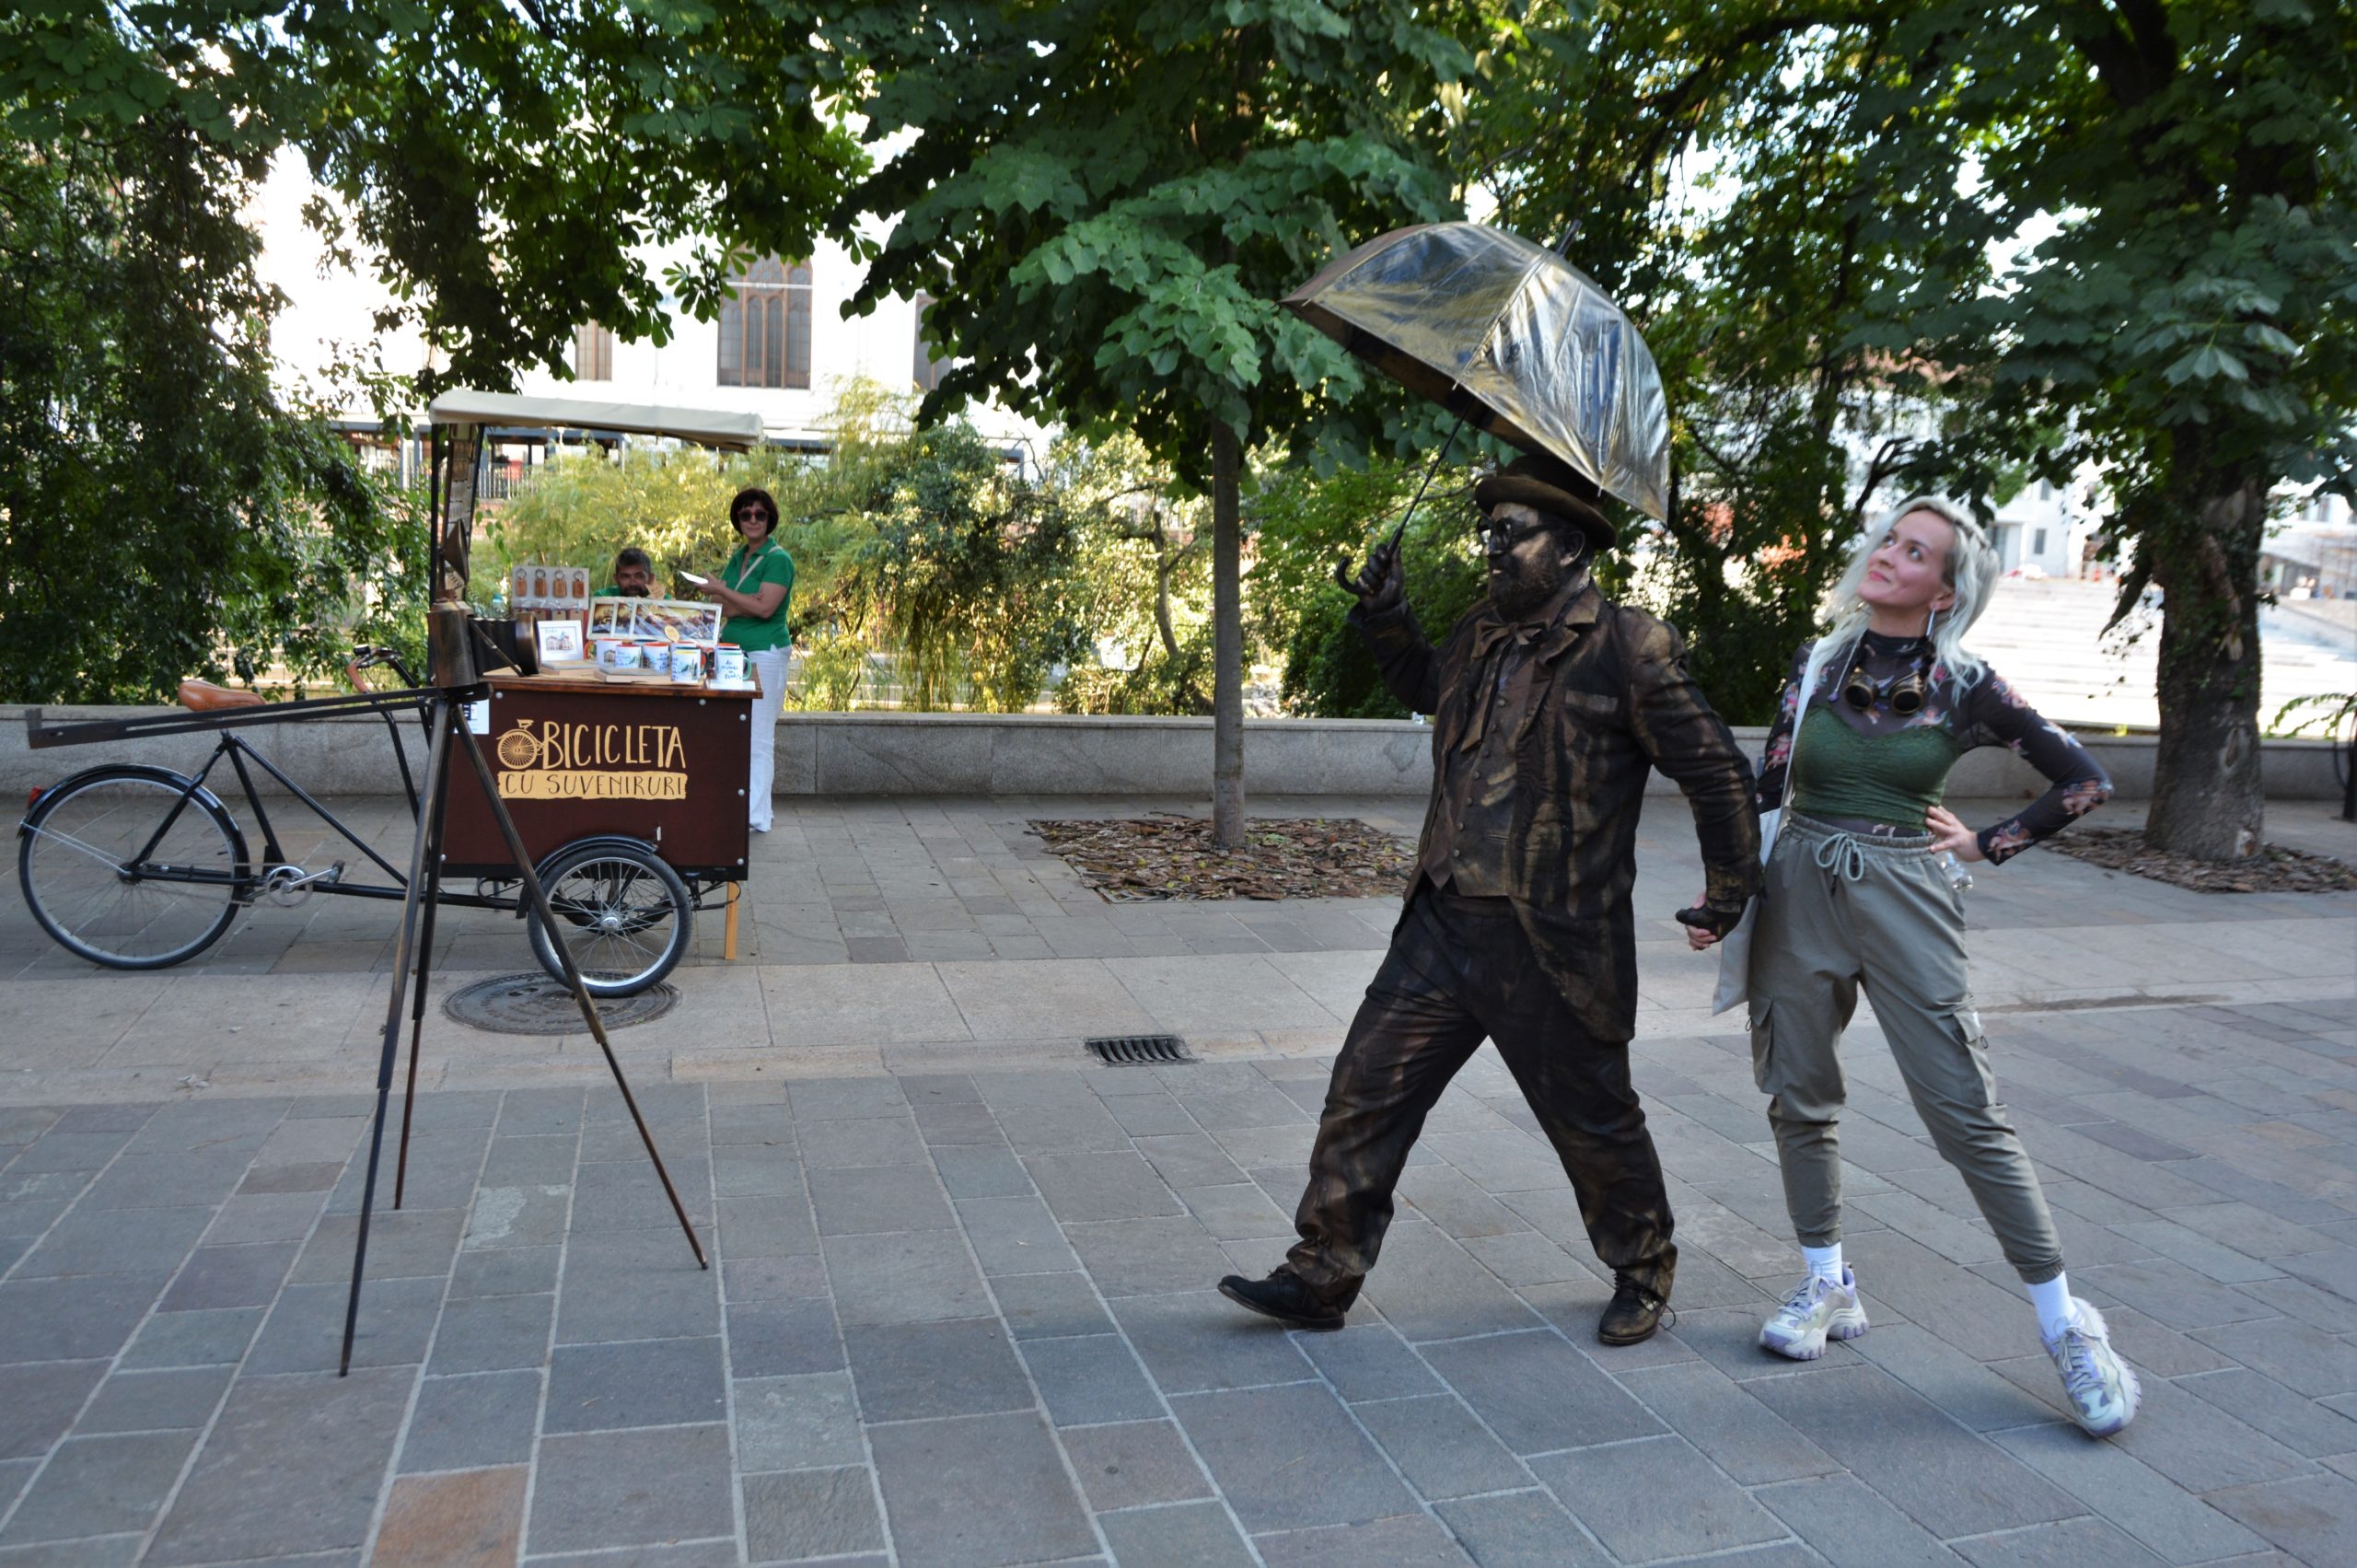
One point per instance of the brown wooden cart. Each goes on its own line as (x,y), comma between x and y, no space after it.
(631,801)
(629,798)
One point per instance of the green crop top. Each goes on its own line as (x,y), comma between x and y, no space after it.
(1896,775)
(1893,778)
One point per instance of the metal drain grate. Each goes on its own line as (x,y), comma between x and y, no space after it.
(1125,1050)
(538,1004)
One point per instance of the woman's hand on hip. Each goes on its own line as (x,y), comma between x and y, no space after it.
(1950,834)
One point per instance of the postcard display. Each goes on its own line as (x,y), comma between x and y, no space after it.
(656,621)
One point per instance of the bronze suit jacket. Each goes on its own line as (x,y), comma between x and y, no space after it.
(1612,701)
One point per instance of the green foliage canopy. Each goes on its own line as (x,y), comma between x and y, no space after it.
(510,167)
(163,512)
(1104,200)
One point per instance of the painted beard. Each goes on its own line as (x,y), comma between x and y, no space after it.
(1521,588)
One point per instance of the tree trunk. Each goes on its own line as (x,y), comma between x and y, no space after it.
(2209,799)
(1227,643)
(1166,562)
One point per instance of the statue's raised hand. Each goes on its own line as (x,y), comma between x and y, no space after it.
(1380,584)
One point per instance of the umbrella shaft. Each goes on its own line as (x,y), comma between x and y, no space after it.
(1431,469)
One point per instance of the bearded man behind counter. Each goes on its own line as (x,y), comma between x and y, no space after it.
(1550,704)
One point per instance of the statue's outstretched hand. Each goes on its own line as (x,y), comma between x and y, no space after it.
(1380,584)
(1704,925)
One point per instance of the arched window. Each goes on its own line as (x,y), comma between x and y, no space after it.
(765,326)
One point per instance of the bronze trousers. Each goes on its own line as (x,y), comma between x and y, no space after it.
(1461,969)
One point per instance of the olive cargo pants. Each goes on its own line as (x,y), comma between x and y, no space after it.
(1842,911)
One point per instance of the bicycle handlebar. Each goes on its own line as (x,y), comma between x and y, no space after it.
(367,657)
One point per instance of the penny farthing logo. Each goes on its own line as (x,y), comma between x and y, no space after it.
(550,760)
(518,748)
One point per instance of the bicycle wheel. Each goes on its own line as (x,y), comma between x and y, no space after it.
(98,885)
(623,915)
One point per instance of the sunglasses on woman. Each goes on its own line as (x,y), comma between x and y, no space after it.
(753,515)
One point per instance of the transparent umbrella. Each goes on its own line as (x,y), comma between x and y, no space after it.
(1513,339)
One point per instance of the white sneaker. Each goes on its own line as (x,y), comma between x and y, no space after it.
(1819,1310)
(2102,1388)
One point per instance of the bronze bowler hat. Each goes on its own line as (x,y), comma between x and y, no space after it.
(1552,487)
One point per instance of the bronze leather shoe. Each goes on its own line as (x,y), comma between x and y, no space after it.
(1286,1297)
(1635,1315)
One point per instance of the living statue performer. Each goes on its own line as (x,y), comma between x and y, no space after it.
(1550,702)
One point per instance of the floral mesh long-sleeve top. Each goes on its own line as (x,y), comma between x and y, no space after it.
(1878,770)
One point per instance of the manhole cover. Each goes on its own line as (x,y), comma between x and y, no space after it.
(536,1004)
(1122,1051)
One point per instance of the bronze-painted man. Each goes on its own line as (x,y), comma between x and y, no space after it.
(1550,704)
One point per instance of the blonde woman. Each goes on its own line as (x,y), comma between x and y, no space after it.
(1859,894)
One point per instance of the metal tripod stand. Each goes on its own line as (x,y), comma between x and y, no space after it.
(456,681)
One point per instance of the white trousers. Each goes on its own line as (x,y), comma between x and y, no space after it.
(769,668)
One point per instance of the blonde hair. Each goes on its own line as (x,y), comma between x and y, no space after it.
(1970,573)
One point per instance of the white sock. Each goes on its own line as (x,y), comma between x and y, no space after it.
(2052,1300)
(1825,1262)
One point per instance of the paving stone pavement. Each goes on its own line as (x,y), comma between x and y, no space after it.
(878,936)
(960,1312)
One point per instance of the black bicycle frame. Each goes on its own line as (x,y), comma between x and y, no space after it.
(236,748)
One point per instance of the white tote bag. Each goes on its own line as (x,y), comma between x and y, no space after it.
(1735,947)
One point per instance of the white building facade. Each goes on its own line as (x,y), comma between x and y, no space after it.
(782,350)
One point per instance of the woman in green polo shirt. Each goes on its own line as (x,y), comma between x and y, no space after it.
(755,588)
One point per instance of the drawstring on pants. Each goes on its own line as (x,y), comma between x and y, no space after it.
(1839,854)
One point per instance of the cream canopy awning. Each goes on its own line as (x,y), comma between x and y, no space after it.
(709,427)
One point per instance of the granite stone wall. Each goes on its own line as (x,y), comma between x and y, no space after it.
(969,754)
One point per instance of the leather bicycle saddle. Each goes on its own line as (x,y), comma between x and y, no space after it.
(203,697)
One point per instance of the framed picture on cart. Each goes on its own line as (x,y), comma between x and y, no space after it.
(557,641)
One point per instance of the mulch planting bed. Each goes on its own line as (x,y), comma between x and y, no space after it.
(2273,869)
(1169,856)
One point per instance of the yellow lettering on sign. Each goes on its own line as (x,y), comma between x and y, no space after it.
(586,762)
(582,783)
